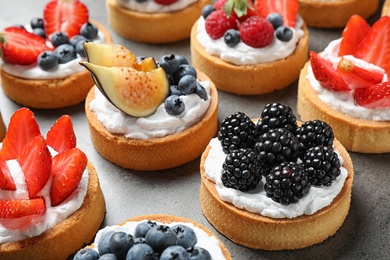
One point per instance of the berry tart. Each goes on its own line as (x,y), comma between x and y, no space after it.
(39,67)
(51,203)
(271,184)
(156,236)
(386,8)
(335,13)
(154,21)
(245,48)
(140,111)
(347,85)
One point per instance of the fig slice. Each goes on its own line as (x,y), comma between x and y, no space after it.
(109,55)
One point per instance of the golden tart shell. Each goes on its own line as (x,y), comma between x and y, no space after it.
(386,8)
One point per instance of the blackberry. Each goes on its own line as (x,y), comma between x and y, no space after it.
(241,170)
(237,131)
(277,115)
(315,133)
(322,165)
(287,183)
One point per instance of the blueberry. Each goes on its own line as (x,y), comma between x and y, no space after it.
(185,235)
(174,105)
(143,228)
(187,84)
(80,48)
(65,53)
(108,257)
(182,60)
(86,254)
(275,19)
(120,243)
(104,246)
(89,30)
(284,33)
(169,63)
(36,22)
(161,236)
(207,9)
(199,253)
(59,38)
(140,252)
(174,90)
(201,91)
(182,70)
(40,32)
(231,37)
(75,39)
(174,252)
(139,240)
(47,60)
(141,1)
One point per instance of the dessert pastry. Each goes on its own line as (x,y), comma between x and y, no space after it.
(386,8)
(282,196)
(239,62)
(51,203)
(347,86)
(40,61)
(317,13)
(154,21)
(154,236)
(138,119)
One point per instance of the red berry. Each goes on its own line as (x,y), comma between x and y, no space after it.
(165,2)
(6,181)
(288,9)
(61,136)
(220,4)
(353,34)
(217,23)
(376,96)
(22,208)
(256,32)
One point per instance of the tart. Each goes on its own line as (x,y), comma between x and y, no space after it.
(205,238)
(316,13)
(39,230)
(157,27)
(61,86)
(386,8)
(259,73)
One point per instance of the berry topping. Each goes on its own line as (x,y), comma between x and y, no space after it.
(242,9)
(256,32)
(65,53)
(217,23)
(284,33)
(315,133)
(207,9)
(169,63)
(61,136)
(104,243)
(143,228)
(187,84)
(120,242)
(140,251)
(161,237)
(185,235)
(174,105)
(89,30)
(6,181)
(174,252)
(47,60)
(353,33)
(375,96)
(58,38)
(36,22)
(21,208)
(199,253)
(277,115)
(183,70)
(275,19)
(165,2)
(86,254)
(232,37)
(201,91)
(288,9)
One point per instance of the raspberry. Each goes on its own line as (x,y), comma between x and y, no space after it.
(217,23)
(277,115)
(315,133)
(219,4)
(256,32)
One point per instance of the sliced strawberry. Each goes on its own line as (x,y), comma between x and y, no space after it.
(35,161)
(376,96)
(353,33)
(6,181)
(61,136)
(68,167)
(324,72)
(22,208)
(65,15)
(288,9)
(19,46)
(22,128)
(375,47)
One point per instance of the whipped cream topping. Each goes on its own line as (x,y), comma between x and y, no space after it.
(210,243)
(150,6)
(256,201)
(344,101)
(159,124)
(35,225)
(242,54)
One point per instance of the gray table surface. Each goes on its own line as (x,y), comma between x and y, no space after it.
(365,233)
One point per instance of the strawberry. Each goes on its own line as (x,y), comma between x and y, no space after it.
(353,34)
(288,9)
(325,73)
(347,67)
(65,15)
(256,32)
(217,23)
(61,136)
(6,181)
(241,9)
(375,47)
(165,2)
(375,96)
(68,167)
(19,46)
(35,161)
(22,128)
(22,207)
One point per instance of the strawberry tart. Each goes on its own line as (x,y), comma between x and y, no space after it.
(155,236)
(39,67)
(154,21)
(250,49)
(334,13)
(273,184)
(386,8)
(51,203)
(347,85)
(139,110)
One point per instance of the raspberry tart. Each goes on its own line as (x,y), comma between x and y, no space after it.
(386,8)
(51,203)
(317,13)
(155,236)
(135,113)
(347,85)
(154,21)
(273,185)
(245,48)
(39,66)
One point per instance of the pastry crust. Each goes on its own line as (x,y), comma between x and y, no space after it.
(52,93)
(153,27)
(259,232)
(68,236)
(157,153)
(250,79)
(356,135)
(334,14)
(386,8)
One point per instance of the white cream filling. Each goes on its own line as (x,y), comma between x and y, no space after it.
(150,6)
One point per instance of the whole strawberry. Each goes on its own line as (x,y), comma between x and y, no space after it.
(256,32)
(217,23)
